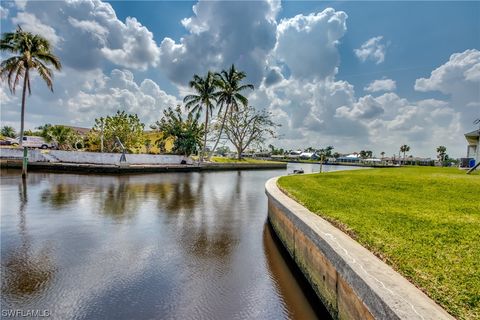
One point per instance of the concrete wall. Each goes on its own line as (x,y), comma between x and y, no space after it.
(351,281)
(37,155)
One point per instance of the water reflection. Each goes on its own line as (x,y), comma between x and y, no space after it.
(185,245)
(25,271)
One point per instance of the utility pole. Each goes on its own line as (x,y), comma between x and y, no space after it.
(101,134)
(25,162)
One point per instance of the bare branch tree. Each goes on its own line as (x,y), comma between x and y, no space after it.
(249,126)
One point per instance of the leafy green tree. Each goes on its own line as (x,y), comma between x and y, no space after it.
(223,150)
(229,95)
(127,127)
(203,100)
(364,154)
(247,127)
(328,151)
(8,131)
(187,132)
(66,138)
(404,148)
(29,52)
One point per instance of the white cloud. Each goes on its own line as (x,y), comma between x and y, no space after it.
(3,12)
(219,36)
(29,22)
(367,107)
(90,94)
(459,77)
(460,70)
(307,44)
(381,85)
(90,32)
(372,49)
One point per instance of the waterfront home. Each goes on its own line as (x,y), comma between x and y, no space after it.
(351,158)
(473,148)
(306,155)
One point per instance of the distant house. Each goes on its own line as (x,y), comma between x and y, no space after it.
(351,158)
(306,155)
(473,149)
(81,131)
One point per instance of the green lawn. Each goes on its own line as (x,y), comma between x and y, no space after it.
(244,160)
(423,221)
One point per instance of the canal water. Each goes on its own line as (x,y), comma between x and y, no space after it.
(149,246)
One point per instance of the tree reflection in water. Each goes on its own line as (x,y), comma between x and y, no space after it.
(25,271)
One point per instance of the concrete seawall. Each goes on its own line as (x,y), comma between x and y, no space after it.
(351,281)
(59,156)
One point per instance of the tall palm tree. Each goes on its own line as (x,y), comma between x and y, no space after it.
(204,99)
(229,95)
(441,151)
(29,52)
(404,149)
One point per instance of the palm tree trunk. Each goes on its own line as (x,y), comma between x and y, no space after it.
(22,117)
(220,133)
(205,138)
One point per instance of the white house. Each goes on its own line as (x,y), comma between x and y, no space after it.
(473,149)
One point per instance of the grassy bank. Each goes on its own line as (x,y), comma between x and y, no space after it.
(244,160)
(423,221)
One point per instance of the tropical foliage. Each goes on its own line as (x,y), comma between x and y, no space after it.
(186,132)
(126,127)
(8,131)
(404,149)
(229,96)
(27,52)
(203,100)
(442,154)
(65,137)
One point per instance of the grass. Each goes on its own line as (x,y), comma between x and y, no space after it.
(423,221)
(244,160)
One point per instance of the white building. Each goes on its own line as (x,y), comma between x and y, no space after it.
(473,149)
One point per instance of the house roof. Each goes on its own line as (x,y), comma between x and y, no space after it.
(473,137)
(474,133)
(79,130)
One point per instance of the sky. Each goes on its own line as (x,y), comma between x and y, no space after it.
(356,75)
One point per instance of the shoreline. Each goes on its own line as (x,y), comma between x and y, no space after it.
(136,168)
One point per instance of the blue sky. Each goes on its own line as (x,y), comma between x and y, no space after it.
(358,75)
(398,22)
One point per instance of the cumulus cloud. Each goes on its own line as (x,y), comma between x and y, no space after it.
(366,108)
(3,12)
(91,94)
(219,36)
(29,22)
(88,32)
(460,70)
(459,77)
(381,85)
(373,49)
(308,43)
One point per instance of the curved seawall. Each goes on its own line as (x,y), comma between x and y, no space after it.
(351,281)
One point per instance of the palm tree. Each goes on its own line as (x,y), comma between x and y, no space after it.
(8,131)
(404,149)
(203,99)
(441,150)
(382,154)
(30,52)
(229,95)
